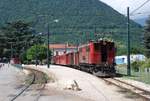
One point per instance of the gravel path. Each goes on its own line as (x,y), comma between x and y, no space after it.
(92,88)
(11,82)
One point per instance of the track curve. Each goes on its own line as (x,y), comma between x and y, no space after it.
(139,91)
(33,81)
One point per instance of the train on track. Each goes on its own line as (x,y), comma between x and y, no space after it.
(94,57)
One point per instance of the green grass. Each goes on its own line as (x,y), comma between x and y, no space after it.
(138,76)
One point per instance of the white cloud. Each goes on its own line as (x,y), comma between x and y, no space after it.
(121,6)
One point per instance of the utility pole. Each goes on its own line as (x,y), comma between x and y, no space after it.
(11,50)
(128,30)
(48,55)
(95,32)
(36,53)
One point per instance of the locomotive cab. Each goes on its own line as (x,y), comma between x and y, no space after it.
(106,52)
(98,58)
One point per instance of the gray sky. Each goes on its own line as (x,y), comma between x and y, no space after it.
(121,6)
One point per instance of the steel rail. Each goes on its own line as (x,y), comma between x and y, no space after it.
(41,89)
(33,79)
(134,89)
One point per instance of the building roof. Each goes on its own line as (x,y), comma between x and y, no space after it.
(61,46)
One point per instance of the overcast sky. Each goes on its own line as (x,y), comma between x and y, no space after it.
(121,6)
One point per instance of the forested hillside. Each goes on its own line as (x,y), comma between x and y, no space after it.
(78,20)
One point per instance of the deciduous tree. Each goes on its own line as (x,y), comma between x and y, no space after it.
(40,51)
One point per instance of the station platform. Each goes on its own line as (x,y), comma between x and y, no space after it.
(91,88)
(11,81)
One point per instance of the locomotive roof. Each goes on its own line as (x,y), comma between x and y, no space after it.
(84,45)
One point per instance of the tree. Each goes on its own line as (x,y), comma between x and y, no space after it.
(147,38)
(23,57)
(15,37)
(37,50)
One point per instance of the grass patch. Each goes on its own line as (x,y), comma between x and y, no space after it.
(138,76)
(40,78)
(29,79)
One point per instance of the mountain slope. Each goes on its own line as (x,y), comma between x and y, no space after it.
(83,11)
(76,17)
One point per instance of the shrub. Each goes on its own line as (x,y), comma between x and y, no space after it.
(146,64)
(136,65)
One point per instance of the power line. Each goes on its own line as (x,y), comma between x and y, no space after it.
(139,7)
(141,13)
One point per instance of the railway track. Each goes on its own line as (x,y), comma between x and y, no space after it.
(139,91)
(30,86)
(136,90)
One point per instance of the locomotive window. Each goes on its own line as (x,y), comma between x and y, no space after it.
(96,46)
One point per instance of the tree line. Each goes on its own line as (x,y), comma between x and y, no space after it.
(19,39)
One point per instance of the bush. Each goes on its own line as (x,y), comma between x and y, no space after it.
(136,65)
(25,62)
(146,64)
(140,65)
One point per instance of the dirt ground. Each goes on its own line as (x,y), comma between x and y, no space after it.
(92,88)
(11,82)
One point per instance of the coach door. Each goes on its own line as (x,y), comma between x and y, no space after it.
(71,59)
(104,54)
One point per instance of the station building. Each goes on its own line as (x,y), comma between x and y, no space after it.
(59,49)
(123,59)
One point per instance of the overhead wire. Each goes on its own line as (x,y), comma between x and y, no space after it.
(139,7)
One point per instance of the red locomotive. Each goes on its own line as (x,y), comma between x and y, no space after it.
(95,57)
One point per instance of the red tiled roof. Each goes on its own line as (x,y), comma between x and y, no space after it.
(61,46)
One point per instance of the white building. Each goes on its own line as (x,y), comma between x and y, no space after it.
(123,59)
